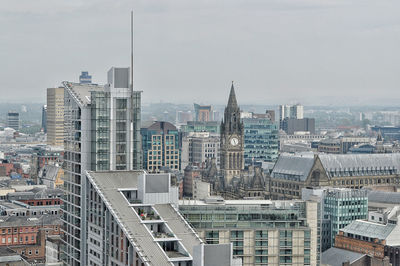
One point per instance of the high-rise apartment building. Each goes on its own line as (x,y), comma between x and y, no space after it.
(132,219)
(13,120)
(102,132)
(262,232)
(261,137)
(55,116)
(160,142)
(85,78)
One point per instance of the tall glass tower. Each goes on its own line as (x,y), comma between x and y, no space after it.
(102,132)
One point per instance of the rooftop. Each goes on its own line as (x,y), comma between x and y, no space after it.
(336,256)
(369,229)
(108,184)
(82,91)
(293,165)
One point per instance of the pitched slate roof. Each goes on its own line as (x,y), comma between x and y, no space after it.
(369,229)
(293,165)
(359,161)
(336,256)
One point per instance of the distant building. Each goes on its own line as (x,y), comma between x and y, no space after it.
(13,120)
(44,118)
(291,173)
(55,116)
(203,113)
(261,137)
(388,132)
(292,125)
(85,78)
(193,126)
(290,111)
(160,142)
(197,147)
(183,117)
(262,231)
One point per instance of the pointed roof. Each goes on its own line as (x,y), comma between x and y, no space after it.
(232,98)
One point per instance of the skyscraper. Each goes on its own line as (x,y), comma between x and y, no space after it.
(232,139)
(13,120)
(55,116)
(101,133)
(85,78)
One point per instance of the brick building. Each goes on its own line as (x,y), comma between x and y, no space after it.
(27,236)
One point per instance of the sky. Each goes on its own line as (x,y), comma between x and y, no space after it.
(316,52)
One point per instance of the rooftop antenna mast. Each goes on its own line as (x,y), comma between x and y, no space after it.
(132,50)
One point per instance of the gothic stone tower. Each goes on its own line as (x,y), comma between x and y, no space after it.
(232,140)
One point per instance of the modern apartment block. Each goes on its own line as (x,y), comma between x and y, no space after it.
(13,120)
(160,142)
(197,147)
(102,132)
(339,207)
(261,137)
(262,232)
(132,219)
(55,116)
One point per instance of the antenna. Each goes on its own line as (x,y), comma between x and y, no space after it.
(132,50)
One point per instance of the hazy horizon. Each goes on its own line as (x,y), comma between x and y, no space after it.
(309,51)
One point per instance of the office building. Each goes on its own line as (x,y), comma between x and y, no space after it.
(294,125)
(203,113)
(291,173)
(13,120)
(160,142)
(262,232)
(44,118)
(339,207)
(197,147)
(102,132)
(85,78)
(132,219)
(55,116)
(261,137)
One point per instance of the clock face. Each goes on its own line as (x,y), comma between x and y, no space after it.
(234,141)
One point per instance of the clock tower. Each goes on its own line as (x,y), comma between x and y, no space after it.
(232,140)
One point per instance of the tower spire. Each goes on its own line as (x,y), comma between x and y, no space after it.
(232,98)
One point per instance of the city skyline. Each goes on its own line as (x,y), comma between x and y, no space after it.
(276,51)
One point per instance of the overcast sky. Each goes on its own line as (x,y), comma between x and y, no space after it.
(277,51)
